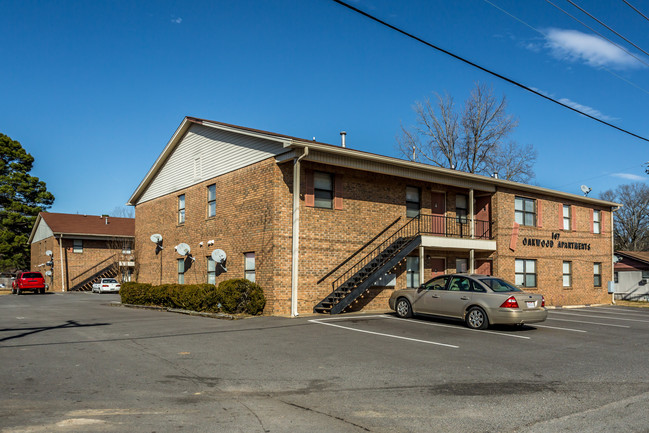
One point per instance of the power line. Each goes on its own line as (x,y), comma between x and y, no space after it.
(635,9)
(590,15)
(595,31)
(495,74)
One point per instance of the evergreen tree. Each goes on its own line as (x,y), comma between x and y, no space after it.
(22,197)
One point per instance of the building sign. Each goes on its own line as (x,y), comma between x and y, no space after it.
(555,243)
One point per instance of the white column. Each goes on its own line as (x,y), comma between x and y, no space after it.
(422,280)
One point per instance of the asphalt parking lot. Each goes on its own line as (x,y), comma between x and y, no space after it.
(73,362)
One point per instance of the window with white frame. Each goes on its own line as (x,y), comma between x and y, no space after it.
(566,217)
(323,189)
(77,246)
(413,201)
(211,270)
(412,272)
(211,200)
(525,272)
(567,274)
(525,211)
(249,267)
(181,209)
(181,271)
(597,274)
(597,221)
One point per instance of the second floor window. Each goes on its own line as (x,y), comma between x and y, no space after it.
(566,217)
(323,189)
(181,209)
(525,211)
(211,201)
(77,246)
(413,201)
(461,207)
(597,221)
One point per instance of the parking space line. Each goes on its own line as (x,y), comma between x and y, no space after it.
(384,335)
(590,323)
(562,329)
(460,328)
(615,310)
(599,317)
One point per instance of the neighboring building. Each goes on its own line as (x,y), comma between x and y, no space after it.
(632,275)
(359,225)
(83,249)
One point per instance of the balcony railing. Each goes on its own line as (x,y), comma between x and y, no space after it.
(453,227)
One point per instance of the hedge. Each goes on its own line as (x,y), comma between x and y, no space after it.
(231,296)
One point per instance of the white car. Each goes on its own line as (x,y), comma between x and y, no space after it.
(106,285)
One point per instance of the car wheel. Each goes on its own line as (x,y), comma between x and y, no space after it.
(13,291)
(476,318)
(19,292)
(403,308)
(42,290)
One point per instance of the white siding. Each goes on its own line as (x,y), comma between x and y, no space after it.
(43,231)
(204,153)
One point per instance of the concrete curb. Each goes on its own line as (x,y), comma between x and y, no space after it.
(567,307)
(177,311)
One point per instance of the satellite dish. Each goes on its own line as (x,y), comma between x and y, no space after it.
(156,238)
(48,253)
(219,256)
(617,259)
(183,249)
(48,273)
(585,190)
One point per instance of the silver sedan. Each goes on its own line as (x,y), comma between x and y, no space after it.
(479,300)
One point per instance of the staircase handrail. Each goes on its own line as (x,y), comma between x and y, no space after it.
(396,235)
(95,266)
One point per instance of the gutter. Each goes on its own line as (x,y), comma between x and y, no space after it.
(296,232)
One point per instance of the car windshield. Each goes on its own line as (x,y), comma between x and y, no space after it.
(110,280)
(498,285)
(32,275)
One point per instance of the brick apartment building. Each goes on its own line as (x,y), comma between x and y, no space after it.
(83,249)
(359,225)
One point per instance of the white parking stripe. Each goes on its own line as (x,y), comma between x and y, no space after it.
(599,317)
(618,310)
(590,323)
(459,327)
(562,329)
(385,335)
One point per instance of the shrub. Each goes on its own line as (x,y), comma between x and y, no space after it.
(241,296)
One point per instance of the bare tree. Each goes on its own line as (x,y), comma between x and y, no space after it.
(473,141)
(632,219)
(123,212)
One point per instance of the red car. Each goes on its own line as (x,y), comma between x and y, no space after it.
(28,281)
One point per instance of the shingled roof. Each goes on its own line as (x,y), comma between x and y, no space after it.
(93,225)
(642,256)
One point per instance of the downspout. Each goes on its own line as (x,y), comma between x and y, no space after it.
(613,210)
(296,232)
(61,261)
(472,251)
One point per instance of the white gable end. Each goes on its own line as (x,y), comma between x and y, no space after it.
(43,231)
(204,153)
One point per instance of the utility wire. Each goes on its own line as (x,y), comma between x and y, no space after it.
(635,9)
(495,74)
(590,15)
(595,31)
(619,77)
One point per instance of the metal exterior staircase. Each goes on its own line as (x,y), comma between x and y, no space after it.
(358,279)
(109,271)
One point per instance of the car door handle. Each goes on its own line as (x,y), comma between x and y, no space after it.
(434,296)
(464,298)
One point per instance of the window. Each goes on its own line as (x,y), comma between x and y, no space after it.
(597,274)
(249,267)
(181,209)
(438,283)
(323,189)
(567,274)
(461,207)
(616,277)
(211,270)
(412,272)
(597,221)
(525,271)
(181,271)
(127,249)
(566,217)
(413,201)
(211,201)
(77,246)
(525,211)
(461,265)
(645,275)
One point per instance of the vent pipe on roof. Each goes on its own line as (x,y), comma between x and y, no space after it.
(106,218)
(343,134)
(495,175)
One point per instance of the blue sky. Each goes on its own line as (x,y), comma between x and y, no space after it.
(94,90)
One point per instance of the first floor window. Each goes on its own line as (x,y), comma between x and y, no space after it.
(412,272)
(181,271)
(616,277)
(567,274)
(323,189)
(126,274)
(181,209)
(462,265)
(525,273)
(249,267)
(597,274)
(413,201)
(211,270)
(77,246)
